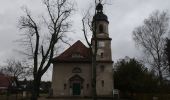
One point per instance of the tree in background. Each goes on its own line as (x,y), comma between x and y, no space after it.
(13,71)
(150,37)
(167,53)
(130,76)
(16,69)
(40,39)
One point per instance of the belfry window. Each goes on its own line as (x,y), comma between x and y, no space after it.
(101,30)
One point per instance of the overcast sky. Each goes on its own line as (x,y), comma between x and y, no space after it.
(123,15)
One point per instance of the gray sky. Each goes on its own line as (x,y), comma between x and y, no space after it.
(123,15)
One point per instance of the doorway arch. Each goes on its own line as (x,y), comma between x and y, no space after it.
(76,84)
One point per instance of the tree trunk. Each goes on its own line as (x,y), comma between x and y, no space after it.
(95,60)
(160,76)
(36,86)
(94,77)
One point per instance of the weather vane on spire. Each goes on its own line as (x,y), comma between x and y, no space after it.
(99,7)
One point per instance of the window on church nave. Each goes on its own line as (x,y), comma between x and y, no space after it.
(76,55)
(76,70)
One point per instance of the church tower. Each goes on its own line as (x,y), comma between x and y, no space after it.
(104,68)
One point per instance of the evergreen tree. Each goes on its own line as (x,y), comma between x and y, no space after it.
(130,76)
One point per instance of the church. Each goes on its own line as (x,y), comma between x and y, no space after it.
(72,69)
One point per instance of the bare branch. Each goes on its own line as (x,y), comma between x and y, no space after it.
(85,33)
(150,36)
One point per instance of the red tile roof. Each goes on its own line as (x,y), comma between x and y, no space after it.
(77,48)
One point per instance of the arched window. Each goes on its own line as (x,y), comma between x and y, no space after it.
(101,29)
(76,70)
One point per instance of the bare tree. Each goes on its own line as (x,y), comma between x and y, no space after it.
(16,69)
(41,49)
(151,37)
(88,30)
(167,53)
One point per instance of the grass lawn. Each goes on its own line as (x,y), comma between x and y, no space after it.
(11,97)
(150,96)
(20,97)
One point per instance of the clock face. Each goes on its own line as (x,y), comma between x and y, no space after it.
(101,44)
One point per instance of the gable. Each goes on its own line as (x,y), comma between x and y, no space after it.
(78,52)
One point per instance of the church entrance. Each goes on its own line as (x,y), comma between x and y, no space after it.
(76,84)
(76,89)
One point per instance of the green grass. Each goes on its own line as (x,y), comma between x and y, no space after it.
(18,97)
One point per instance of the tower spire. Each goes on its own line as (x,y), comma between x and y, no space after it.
(99,7)
(99,15)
